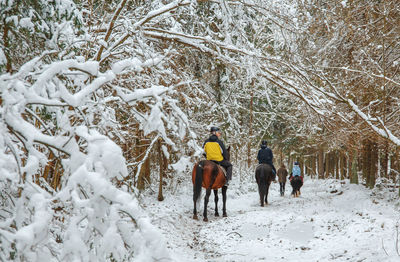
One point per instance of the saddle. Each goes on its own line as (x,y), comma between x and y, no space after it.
(220,167)
(263,164)
(296,178)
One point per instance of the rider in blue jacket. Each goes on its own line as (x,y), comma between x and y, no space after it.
(296,169)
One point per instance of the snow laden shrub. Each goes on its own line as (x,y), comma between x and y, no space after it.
(30,27)
(83,217)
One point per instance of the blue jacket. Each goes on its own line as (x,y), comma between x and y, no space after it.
(296,170)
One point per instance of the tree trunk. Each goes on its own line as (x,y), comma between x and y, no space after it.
(353,173)
(394,166)
(336,157)
(146,171)
(145,166)
(6,49)
(366,159)
(313,166)
(373,165)
(162,169)
(385,161)
(327,165)
(320,163)
(342,165)
(249,156)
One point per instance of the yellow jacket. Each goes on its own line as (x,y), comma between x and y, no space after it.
(214,149)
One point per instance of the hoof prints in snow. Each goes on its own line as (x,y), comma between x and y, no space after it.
(318,226)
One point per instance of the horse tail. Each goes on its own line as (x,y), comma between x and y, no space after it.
(262,180)
(198,181)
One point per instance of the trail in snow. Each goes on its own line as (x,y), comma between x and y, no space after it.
(331,221)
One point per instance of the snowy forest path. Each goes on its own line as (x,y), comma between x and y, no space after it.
(331,221)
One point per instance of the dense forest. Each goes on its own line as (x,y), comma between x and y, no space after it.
(102,100)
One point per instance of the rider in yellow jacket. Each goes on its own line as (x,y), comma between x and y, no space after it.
(215,151)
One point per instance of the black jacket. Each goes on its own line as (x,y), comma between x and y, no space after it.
(265,155)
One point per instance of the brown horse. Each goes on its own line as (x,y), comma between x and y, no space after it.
(209,175)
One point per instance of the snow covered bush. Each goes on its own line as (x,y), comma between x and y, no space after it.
(74,211)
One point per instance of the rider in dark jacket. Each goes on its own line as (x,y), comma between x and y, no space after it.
(215,150)
(265,156)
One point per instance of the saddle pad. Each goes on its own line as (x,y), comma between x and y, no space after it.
(222,169)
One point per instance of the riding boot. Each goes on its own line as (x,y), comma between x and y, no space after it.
(228,175)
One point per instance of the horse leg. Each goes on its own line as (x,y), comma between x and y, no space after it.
(296,188)
(207,197)
(216,202)
(224,188)
(259,190)
(261,193)
(293,188)
(195,210)
(266,193)
(198,181)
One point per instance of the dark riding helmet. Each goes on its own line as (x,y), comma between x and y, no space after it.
(264,143)
(296,163)
(214,129)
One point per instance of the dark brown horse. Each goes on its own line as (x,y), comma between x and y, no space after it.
(264,176)
(296,183)
(211,176)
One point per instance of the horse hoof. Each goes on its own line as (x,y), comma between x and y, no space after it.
(225,215)
(195,217)
(216,214)
(205,219)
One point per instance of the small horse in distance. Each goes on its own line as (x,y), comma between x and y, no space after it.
(296,184)
(209,175)
(264,176)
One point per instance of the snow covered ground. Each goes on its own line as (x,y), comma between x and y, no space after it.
(331,221)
